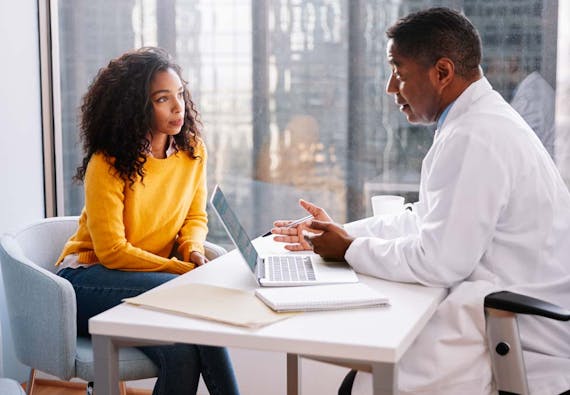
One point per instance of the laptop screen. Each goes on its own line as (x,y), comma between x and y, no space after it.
(233,227)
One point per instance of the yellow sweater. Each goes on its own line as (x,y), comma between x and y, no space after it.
(134,228)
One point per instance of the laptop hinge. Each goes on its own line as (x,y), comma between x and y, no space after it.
(260,268)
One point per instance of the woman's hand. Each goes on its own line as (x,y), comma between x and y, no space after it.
(197,258)
(295,236)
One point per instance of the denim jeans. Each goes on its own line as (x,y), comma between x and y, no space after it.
(98,289)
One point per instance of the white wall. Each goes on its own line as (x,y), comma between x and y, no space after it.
(21,164)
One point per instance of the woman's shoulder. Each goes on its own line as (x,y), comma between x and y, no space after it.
(101,159)
(100,162)
(199,145)
(198,148)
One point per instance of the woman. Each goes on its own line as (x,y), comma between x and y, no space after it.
(144,174)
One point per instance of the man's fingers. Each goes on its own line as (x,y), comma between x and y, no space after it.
(278,230)
(287,239)
(296,247)
(310,207)
(282,223)
(318,225)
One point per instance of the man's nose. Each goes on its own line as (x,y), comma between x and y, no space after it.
(391,86)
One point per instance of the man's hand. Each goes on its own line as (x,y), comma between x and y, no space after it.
(197,258)
(295,236)
(331,242)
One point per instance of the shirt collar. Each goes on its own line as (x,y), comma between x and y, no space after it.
(171,147)
(170,150)
(444,115)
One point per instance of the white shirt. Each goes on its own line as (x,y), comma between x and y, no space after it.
(493,213)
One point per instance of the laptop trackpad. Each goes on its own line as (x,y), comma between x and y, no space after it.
(332,270)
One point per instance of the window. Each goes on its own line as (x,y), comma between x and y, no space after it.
(291,92)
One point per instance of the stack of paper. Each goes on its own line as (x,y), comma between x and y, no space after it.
(321,297)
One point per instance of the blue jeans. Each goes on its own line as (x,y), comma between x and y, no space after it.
(98,289)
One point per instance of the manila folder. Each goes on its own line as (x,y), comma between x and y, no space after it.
(227,305)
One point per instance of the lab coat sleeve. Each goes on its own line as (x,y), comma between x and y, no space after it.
(388,226)
(465,186)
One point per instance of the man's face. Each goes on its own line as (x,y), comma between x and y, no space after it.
(414,87)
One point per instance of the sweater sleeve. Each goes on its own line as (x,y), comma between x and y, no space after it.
(195,228)
(104,204)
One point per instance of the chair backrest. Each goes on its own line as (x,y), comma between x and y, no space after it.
(41,305)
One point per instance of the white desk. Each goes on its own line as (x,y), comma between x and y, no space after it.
(377,337)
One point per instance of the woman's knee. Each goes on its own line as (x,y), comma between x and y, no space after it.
(182,358)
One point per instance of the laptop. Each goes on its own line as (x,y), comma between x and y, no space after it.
(285,270)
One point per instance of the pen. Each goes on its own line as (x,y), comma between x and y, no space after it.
(294,223)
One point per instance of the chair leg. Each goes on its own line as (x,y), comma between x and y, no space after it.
(31,382)
(122,388)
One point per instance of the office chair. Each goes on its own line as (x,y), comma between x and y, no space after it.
(42,307)
(503,340)
(503,336)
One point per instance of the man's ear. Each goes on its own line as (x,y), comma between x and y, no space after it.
(445,69)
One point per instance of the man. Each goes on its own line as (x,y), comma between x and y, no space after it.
(493,213)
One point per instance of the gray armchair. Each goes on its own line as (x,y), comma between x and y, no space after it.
(42,306)
(503,336)
(10,387)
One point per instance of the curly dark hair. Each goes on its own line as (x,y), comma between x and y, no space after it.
(116,113)
(431,34)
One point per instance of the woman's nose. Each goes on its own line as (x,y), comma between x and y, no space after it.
(179,105)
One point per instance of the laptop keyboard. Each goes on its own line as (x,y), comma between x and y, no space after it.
(290,268)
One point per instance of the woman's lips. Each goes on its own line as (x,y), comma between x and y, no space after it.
(177,122)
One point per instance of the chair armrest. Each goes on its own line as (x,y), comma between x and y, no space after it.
(212,251)
(522,304)
(39,302)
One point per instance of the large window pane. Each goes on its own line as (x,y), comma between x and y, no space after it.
(291,92)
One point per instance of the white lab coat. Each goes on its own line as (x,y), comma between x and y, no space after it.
(493,213)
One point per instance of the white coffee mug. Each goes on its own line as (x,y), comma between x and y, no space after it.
(388,204)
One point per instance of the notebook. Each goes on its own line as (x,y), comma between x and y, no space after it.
(279,270)
(321,297)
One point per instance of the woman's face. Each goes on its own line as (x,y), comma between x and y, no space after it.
(167,97)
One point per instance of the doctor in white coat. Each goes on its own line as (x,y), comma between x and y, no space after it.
(493,214)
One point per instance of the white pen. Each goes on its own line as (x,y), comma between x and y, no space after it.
(294,223)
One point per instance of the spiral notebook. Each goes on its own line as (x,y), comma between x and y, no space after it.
(321,297)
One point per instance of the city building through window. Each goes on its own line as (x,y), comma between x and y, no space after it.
(291,92)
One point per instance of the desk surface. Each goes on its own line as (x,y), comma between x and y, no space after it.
(374,334)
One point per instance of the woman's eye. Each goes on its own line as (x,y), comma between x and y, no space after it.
(181,95)
(161,99)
